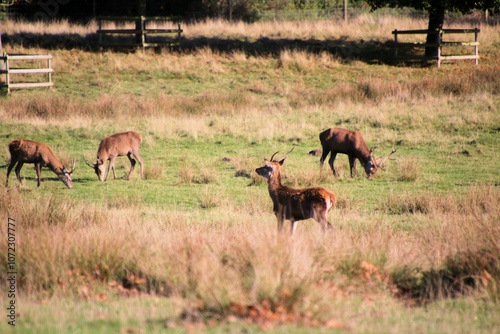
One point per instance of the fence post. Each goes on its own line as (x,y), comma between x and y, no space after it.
(7,75)
(438,39)
(99,22)
(49,65)
(396,42)
(139,29)
(476,53)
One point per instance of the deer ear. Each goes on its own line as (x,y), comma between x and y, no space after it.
(282,161)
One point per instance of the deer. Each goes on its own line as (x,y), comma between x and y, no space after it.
(295,204)
(27,151)
(119,144)
(338,140)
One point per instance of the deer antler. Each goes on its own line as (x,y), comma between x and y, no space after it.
(272,157)
(387,158)
(282,157)
(373,149)
(73,166)
(89,164)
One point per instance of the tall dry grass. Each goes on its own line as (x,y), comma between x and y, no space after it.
(240,259)
(368,27)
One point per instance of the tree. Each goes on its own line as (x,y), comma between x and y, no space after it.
(437,10)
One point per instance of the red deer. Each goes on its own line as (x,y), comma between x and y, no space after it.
(295,204)
(123,143)
(27,151)
(337,140)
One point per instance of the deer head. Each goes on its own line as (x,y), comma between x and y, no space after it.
(371,164)
(272,166)
(66,176)
(99,167)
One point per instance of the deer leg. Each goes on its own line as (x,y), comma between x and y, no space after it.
(139,158)
(352,164)
(331,161)
(132,165)
(38,170)
(293,224)
(319,214)
(18,171)
(114,172)
(280,223)
(325,224)
(322,159)
(280,217)
(9,169)
(111,165)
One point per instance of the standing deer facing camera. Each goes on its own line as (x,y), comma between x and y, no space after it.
(295,204)
(123,143)
(27,151)
(338,140)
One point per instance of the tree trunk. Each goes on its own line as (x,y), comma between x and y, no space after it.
(436,21)
(141,11)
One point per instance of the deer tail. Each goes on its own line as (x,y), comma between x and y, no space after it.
(331,201)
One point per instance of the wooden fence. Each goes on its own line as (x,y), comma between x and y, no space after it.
(38,68)
(439,45)
(141,31)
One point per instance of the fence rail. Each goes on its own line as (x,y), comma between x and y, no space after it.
(8,71)
(140,31)
(439,44)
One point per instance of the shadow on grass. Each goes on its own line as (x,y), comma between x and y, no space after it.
(371,52)
(460,275)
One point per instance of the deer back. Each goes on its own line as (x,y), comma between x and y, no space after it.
(118,144)
(304,203)
(28,151)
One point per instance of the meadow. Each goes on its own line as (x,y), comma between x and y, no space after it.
(194,246)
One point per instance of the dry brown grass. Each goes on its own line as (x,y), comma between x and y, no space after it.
(368,27)
(224,262)
(154,171)
(233,258)
(408,169)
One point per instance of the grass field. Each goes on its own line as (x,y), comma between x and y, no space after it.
(194,246)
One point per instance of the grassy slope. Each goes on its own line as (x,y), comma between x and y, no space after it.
(198,107)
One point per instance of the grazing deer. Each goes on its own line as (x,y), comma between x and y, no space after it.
(337,140)
(123,143)
(295,204)
(27,151)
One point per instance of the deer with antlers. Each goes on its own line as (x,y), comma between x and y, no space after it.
(119,144)
(295,204)
(338,140)
(27,151)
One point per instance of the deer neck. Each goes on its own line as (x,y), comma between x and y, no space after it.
(274,184)
(364,154)
(56,167)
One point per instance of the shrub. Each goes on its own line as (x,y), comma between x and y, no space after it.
(153,171)
(408,170)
